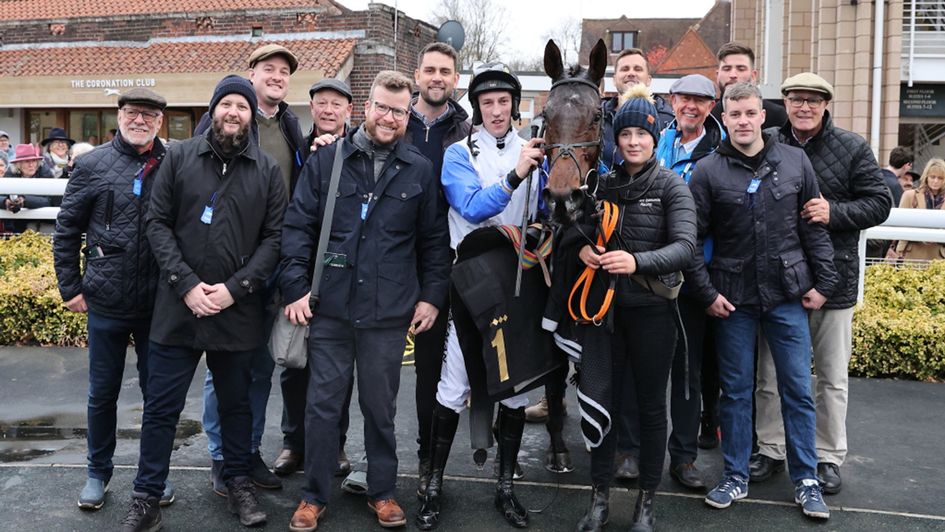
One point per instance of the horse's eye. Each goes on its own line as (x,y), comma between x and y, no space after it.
(597,117)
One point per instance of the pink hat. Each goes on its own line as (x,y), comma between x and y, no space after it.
(26,152)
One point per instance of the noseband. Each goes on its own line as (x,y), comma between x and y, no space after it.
(566,150)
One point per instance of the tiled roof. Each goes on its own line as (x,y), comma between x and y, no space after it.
(167,57)
(689,56)
(652,32)
(58,10)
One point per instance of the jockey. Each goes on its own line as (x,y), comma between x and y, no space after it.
(481,180)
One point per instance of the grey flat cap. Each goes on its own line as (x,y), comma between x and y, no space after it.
(333,84)
(142,96)
(695,85)
(269,50)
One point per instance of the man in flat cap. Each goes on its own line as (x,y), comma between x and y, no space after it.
(277,131)
(853,198)
(692,136)
(107,199)
(214,225)
(331,103)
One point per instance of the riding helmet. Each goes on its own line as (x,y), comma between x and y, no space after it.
(491,77)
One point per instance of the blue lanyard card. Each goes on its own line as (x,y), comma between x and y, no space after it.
(207,215)
(753,186)
(136,187)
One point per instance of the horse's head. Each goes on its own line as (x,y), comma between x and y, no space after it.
(572,129)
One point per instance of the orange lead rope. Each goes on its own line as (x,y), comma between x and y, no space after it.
(609,219)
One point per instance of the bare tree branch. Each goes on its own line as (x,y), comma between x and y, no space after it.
(485,23)
(568,38)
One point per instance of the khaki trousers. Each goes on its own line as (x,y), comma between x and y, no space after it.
(832,342)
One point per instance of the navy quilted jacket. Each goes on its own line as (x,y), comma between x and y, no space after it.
(852,183)
(100,201)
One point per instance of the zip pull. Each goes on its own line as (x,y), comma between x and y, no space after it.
(224,167)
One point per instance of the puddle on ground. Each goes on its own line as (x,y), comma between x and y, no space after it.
(27,435)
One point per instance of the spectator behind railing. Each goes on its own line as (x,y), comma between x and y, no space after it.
(57,146)
(79,148)
(930,194)
(26,163)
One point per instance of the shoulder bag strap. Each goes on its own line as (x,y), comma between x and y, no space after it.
(326,223)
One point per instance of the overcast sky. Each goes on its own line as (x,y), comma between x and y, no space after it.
(528,25)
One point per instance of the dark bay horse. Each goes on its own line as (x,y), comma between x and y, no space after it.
(572,128)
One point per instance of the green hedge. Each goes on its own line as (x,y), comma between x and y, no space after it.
(31,310)
(896,333)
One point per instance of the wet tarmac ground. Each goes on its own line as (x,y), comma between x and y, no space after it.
(893,477)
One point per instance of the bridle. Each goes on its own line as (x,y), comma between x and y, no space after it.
(567,150)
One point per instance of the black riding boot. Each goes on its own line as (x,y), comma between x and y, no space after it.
(557,457)
(644,519)
(442,433)
(598,512)
(511,424)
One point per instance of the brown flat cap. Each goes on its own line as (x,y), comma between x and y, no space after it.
(269,50)
(142,96)
(807,81)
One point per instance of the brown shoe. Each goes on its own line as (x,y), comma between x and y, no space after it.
(305,518)
(287,462)
(389,514)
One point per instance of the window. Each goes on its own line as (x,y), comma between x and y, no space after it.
(621,40)
(257,31)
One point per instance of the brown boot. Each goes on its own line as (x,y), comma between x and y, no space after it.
(305,518)
(389,513)
(287,462)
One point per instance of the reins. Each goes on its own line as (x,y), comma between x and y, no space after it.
(610,216)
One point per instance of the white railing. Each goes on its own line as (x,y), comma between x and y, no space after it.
(923,31)
(916,225)
(33,186)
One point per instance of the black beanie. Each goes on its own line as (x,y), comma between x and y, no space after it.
(637,111)
(234,84)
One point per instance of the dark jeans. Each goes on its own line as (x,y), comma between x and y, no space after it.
(335,349)
(644,341)
(710,376)
(684,439)
(294,384)
(786,329)
(171,370)
(108,347)
(429,349)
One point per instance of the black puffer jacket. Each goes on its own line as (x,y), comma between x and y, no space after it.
(764,253)
(657,226)
(852,183)
(100,201)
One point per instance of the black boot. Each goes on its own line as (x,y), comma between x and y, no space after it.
(557,457)
(241,497)
(445,422)
(423,477)
(598,512)
(511,424)
(644,519)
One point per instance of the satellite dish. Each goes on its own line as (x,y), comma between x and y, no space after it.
(452,33)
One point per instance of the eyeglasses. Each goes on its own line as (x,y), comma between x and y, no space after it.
(813,103)
(397,112)
(148,116)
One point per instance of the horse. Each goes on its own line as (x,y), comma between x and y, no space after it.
(572,128)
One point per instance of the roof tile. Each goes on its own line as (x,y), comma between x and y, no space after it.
(174,57)
(14,10)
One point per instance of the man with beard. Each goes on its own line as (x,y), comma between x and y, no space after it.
(630,68)
(436,121)
(107,199)
(214,228)
(737,64)
(389,261)
(278,135)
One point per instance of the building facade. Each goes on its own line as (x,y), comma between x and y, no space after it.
(65,65)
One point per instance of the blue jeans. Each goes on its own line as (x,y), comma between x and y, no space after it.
(170,372)
(261,368)
(786,330)
(108,347)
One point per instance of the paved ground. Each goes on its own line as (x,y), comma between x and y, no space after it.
(892,480)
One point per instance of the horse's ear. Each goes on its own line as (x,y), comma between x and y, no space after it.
(598,62)
(553,65)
